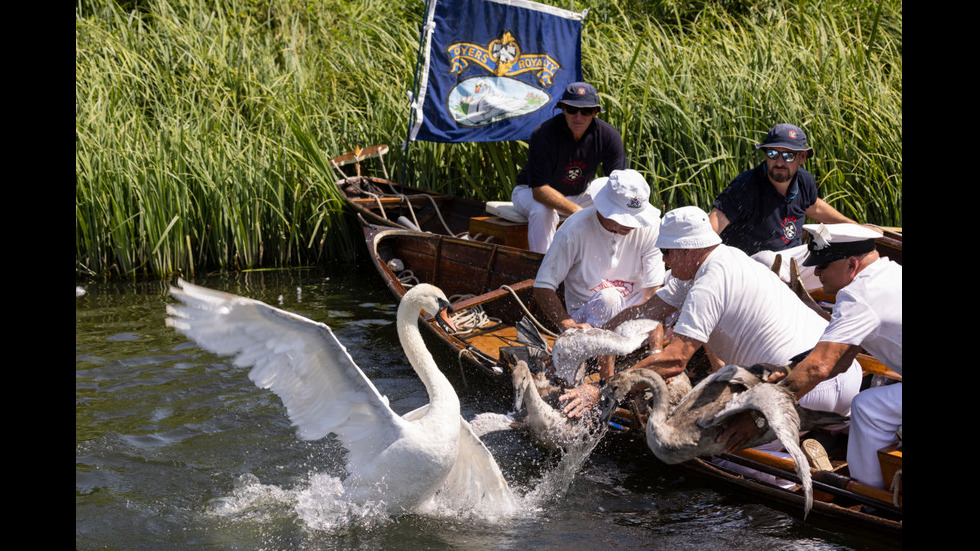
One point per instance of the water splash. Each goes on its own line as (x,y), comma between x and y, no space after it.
(554,483)
(320,503)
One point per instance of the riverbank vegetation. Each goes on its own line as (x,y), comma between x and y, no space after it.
(203,128)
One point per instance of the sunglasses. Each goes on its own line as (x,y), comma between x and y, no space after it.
(587,111)
(787,156)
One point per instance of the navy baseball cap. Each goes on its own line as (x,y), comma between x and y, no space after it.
(580,94)
(788,136)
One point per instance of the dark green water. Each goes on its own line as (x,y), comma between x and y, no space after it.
(176,449)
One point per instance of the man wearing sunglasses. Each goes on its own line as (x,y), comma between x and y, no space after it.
(763,210)
(564,154)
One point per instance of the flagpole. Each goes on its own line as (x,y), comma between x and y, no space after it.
(414,94)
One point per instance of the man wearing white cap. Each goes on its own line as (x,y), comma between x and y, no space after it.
(606,255)
(736,306)
(867,314)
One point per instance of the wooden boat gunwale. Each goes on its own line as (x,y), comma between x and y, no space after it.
(494,288)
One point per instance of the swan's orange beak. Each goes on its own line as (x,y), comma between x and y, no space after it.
(443,319)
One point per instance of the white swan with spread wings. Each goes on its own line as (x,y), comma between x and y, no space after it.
(404,462)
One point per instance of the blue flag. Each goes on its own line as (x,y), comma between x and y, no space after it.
(493,69)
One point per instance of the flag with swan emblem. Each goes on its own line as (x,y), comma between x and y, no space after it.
(492,70)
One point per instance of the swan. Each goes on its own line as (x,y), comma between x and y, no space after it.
(547,424)
(549,427)
(692,427)
(487,104)
(573,347)
(406,462)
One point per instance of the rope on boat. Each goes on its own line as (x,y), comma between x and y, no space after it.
(406,199)
(896,487)
(527,312)
(466,321)
(459,360)
(408,279)
(470,319)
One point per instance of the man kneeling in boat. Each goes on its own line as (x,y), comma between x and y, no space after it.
(606,255)
(867,314)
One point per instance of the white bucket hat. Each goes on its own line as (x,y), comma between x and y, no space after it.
(624,198)
(686,228)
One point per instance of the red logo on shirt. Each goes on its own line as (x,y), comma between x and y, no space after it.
(789,229)
(625,288)
(574,172)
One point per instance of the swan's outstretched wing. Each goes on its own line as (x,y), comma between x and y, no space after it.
(475,477)
(778,405)
(298,359)
(575,346)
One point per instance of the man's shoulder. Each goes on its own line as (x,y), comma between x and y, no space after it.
(749,177)
(607,130)
(581,221)
(883,271)
(605,125)
(550,125)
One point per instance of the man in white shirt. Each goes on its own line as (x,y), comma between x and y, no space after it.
(606,256)
(732,304)
(867,314)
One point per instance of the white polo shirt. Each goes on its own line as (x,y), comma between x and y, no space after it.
(742,310)
(868,313)
(588,258)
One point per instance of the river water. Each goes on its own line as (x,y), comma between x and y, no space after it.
(175,448)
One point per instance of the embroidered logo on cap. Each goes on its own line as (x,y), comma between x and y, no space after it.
(792,133)
(634,203)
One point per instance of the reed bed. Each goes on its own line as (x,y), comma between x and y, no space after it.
(203,129)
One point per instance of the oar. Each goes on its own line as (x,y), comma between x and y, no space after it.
(360,154)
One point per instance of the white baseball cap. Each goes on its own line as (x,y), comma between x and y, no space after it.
(686,228)
(624,198)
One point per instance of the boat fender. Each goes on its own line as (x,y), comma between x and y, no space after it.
(407,223)
(396,265)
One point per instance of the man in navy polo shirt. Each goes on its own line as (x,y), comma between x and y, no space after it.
(564,154)
(763,209)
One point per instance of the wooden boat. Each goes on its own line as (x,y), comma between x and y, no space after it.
(382,202)
(890,244)
(490,282)
(493,284)
(837,497)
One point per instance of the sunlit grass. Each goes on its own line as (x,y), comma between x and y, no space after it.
(202,129)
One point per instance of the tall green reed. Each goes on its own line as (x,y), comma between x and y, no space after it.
(203,128)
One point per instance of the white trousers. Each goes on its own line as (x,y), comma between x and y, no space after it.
(876,415)
(542,221)
(603,305)
(835,394)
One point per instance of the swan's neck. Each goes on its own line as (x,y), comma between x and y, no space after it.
(657,423)
(440,390)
